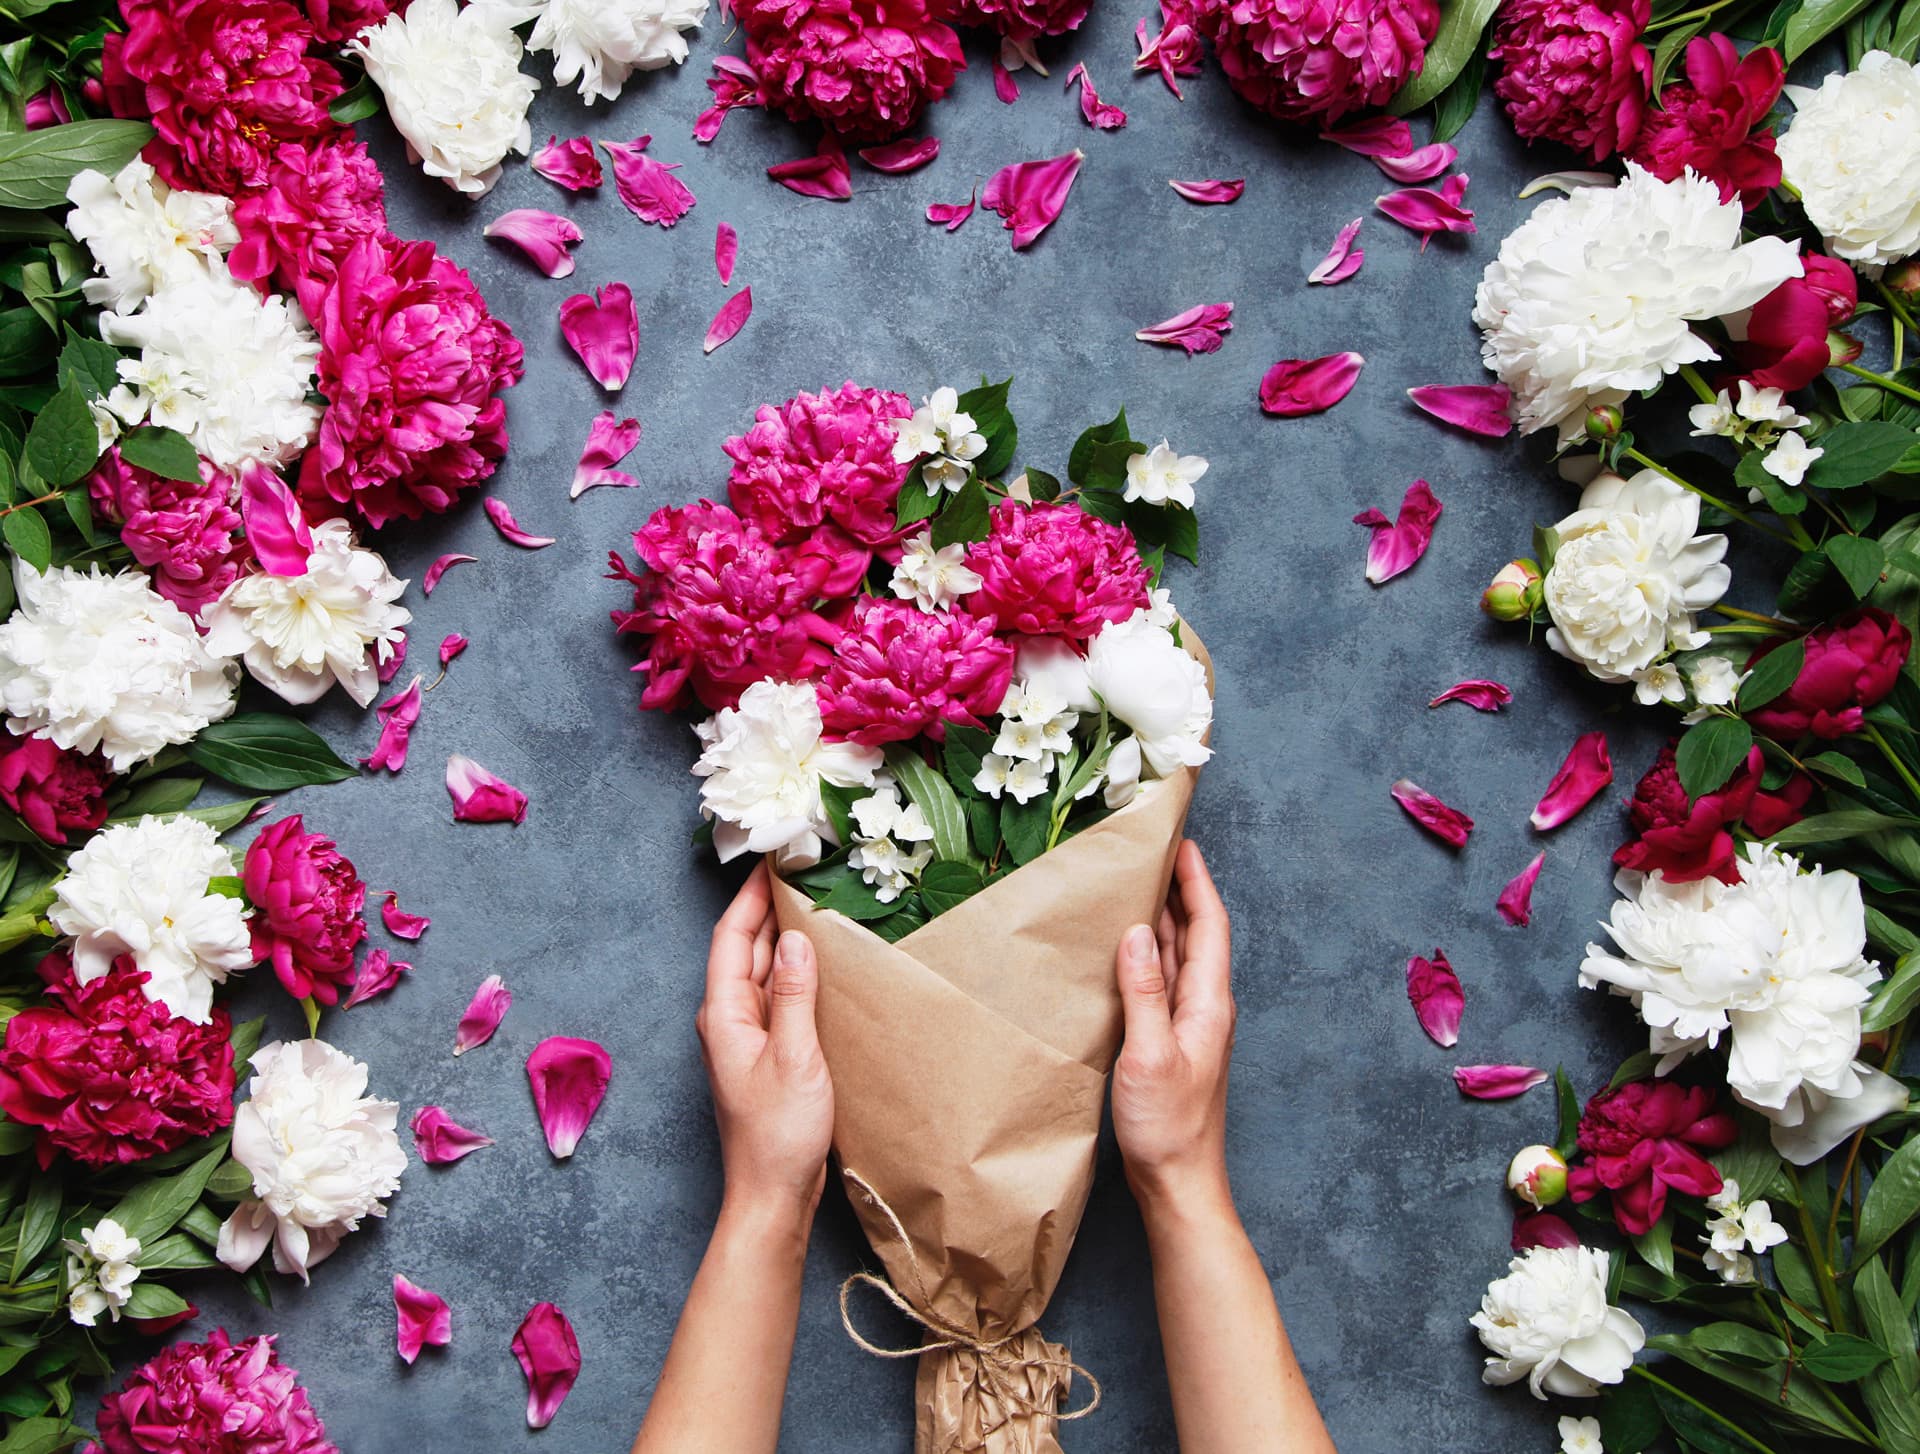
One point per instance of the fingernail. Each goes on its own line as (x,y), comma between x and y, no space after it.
(1139,942)
(787,950)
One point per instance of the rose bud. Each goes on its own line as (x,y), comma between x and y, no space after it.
(1842,348)
(1903,280)
(1604,421)
(1538,1176)
(1515,592)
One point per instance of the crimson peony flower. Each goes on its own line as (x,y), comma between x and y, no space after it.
(899,671)
(1642,1139)
(337,20)
(186,536)
(1024,19)
(1852,663)
(233,1398)
(109,1076)
(1314,61)
(1790,340)
(317,202)
(52,789)
(1715,121)
(1686,839)
(1574,71)
(1055,570)
(412,365)
(864,68)
(306,909)
(1773,811)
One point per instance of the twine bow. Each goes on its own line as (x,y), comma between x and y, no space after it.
(1002,1369)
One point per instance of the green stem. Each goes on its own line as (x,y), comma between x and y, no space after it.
(1873,734)
(1805,543)
(1898,306)
(1817,1258)
(46,499)
(1892,386)
(1642,1371)
(1739,615)
(1740,628)
(1681,19)
(1698,384)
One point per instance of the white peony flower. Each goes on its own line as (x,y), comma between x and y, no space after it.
(1548,1322)
(1629,573)
(1790,459)
(301,634)
(100,1271)
(764,762)
(1853,154)
(98,661)
(453,86)
(1162,476)
(601,43)
(144,889)
(932,579)
(323,1155)
(892,843)
(1149,682)
(1590,298)
(1580,1436)
(144,236)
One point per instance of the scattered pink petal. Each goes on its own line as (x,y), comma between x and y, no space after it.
(550,1356)
(379,972)
(481,797)
(731,318)
(1516,899)
(952,214)
(734,84)
(1476,408)
(1100,115)
(1343,259)
(609,440)
(1542,1229)
(276,529)
(825,174)
(1174,52)
(396,658)
(1449,825)
(1201,329)
(908,154)
(1029,195)
(604,330)
(1418,166)
(1211,193)
(441,1140)
(1004,85)
(1426,211)
(1476,692)
(397,718)
(569,1080)
(1297,386)
(649,187)
(1397,545)
(399,922)
(440,567)
(543,236)
(570,163)
(483,1016)
(1496,1082)
(1587,770)
(726,251)
(509,528)
(1377,136)
(425,1319)
(451,645)
(1438,1001)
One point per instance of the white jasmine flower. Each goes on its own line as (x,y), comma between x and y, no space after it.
(301,634)
(991,779)
(1737,1230)
(1036,721)
(880,826)
(98,661)
(932,579)
(1658,683)
(1050,664)
(1789,460)
(87,1302)
(323,1155)
(942,433)
(1735,1268)
(1022,779)
(1147,681)
(763,763)
(1590,299)
(1580,1436)
(1766,406)
(1548,1322)
(1161,476)
(101,1271)
(1853,154)
(143,235)
(601,43)
(106,424)
(144,889)
(1715,420)
(1159,609)
(1715,681)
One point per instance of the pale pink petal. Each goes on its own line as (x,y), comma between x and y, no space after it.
(276,529)
(1201,329)
(1449,825)
(731,318)
(509,528)
(604,330)
(399,922)
(379,972)
(569,1079)
(451,645)
(609,440)
(543,236)
(1100,115)
(1496,1082)
(952,214)
(1297,386)
(1418,166)
(397,718)
(1029,195)
(1377,136)
(1438,1000)
(908,154)
(440,567)
(1476,408)
(1516,899)
(396,658)
(1587,770)
(1541,1229)
(481,797)
(425,1319)
(483,1015)
(570,163)
(1426,212)
(1004,85)
(734,84)
(1343,259)
(1211,193)
(549,1354)
(1396,545)
(825,174)
(441,1140)
(649,188)
(726,251)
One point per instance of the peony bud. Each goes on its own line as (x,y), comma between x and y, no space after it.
(1604,421)
(1515,592)
(1538,1176)
(1903,280)
(1842,348)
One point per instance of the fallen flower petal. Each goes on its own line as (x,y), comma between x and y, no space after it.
(1201,329)
(1426,211)
(1396,545)
(1418,166)
(648,186)
(1542,1229)
(1476,408)
(543,236)
(509,528)
(1100,115)
(440,567)
(604,330)
(451,645)
(397,718)
(825,174)
(484,1012)
(726,251)
(387,670)
(1476,692)
(1438,1001)
(1297,386)
(1377,136)
(1029,195)
(731,318)
(1587,770)
(1496,1082)
(734,84)
(1211,193)
(908,154)
(952,214)
(441,1140)
(1568,182)
(1343,259)
(1004,85)
(549,1354)
(379,972)
(1449,825)
(277,530)
(1516,899)
(481,797)
(609,440)
(425,1319)
(1174,52)
(570,163)
(569,1078)
(399,922)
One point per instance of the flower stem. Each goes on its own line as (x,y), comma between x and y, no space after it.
(1817,1258)
(1669,22)
(1739,615)
(1641,1370)
(1892,386)
(1833,1214)
(1697,384)
(1719,504)
(1898,306)
(46,499)
(1874,735)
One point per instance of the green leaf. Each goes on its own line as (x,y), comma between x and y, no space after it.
(266,752)
(937,801)
(1856,453)
(1781,498)
(1462,24)
(356,103)
(245,1040)
(231,1183)
(1814,22)
(946,884)
(40,1435)
(1842,1358)
(159,796)
(856,900)
(39,1221)
(151,1300)
(1183,533)
(1629,1418)
(1667,54)
(90,363)
(961,756)
(1655,1245)
(176,1253)
(227,886)
(1710,751)
(1895,998)
(79,513)
(1859,561)
(1739,1343)
(1700,1431)
(914,502)
(1890,1203)
(1567,1139)
(1806,584)
(965,519)
(224,816)
(36,166)
(1081,456)
(1024,827)
(1837,765)
(1637,1066)
(1457,103)
(1772,675)
(166,452)
(152,1208)
(27,536)
(1107,465)
(992,419)
(1041,485)
(838,802)
(1835,827)
(1892,1392)
(25,345)
(64,442)
(1751,1161)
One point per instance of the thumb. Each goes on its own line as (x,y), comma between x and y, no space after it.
(1143,990)
(792,993)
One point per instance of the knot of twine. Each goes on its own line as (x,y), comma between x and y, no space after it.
(1001,1368)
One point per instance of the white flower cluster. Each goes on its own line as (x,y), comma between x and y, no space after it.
(1713,681)
(1757,419)
(892,844)
(101,1271)
(942,434)
(933,579)
(1548,1321)
(601,43)
(1738,1232)
(1853,154)
(144,236)
(1036,728)
(1163,476)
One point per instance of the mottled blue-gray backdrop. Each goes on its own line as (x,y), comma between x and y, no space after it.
(1372,1190)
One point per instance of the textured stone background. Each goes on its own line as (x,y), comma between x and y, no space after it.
(1372,1190)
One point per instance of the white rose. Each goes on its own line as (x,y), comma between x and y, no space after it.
(1853,154)
(1146,680)
(1548,1322)
(143,235)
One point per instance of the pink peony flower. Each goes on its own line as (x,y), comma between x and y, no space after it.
(1716,121)
(338,20)
(1852,663)
(1790,338)
(317,202)
(306,909)
(899,671)
(237,1398)
(1574,71)
(1318,60)
(1055,570)
(186,536)
(412,364)
(864,68)
(109,1076)
(52,789)
(45,108)
(1642,1139)
(1023,19)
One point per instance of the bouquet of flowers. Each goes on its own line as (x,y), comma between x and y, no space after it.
(958,713)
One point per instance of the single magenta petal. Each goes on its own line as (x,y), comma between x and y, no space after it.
(1516,899)
(1343,259)
(509,528)
(1476,408)
(1200,329)
(1496,1082)
(1542,1229)
(908,154)
(825,174)
(379,972)
(441,1140)
(481,797)
(484,1013)
(396,658)
(952,214)
(1297,386)
(451,645)
(1004,85)
(1426,211)
(1449,825)
(1418,166)
(399,922)
(425,1319)
(734,84)
(549,1354)
(1476,692)
(440,567)
(1377,136)
(604,330)
(1397,544)
(570,163)
(1030,195)
(1212,192)
(276,529)
(397,716)
(731,318)
(543,236)
(569,1079)
(1437,998)
(1100,115)
(609,440)
(1587,770)
(646,185)
(726,251)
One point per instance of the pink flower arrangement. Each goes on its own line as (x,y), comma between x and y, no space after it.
(1319,60)
(306,901)
(1055,570)
(53,790)
(866,69)
(186,536)
(237,1398)
(1574,71)
(1716,121)
(899,672)
(318,201)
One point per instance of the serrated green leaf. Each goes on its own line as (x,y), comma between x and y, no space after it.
(966,517)
(166,452)
(856,900)
(994,422)
(1042,486)
(27,536)
(1853,454)
(946,884)
(1082,453)
(90,363)
(1859,561)
(63,442)
(1842,1358)
(1024,828)
(914,502)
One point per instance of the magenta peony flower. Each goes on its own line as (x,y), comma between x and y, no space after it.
(1024,19)
(724,605)
(1643,1138)
(899,671)
(1852,662)
(318,201)
(865,68)
(1574,71)
(52,789)
(337,20)
(306,909)
(233,1398)
(412,365)
(186,536)
(109,1076)
(1716,121)
(1315,61)
(1055,570)
(223,81)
